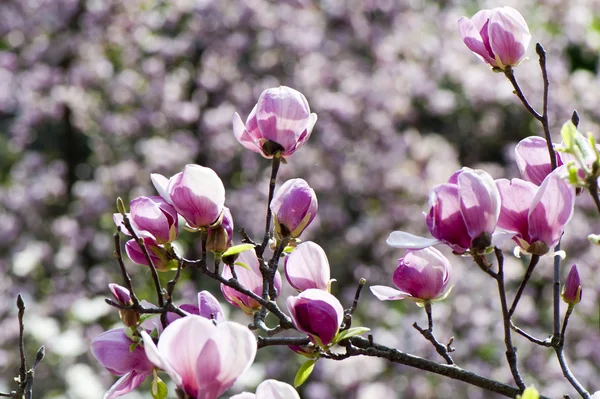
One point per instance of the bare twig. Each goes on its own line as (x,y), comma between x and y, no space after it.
(442,350)
(532,263)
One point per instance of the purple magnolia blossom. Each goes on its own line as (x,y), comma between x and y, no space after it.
(112,350)
(250,277)
(533,159)
(202,358)
(280,122)
(307,267)
(535,217)
(462,214)
(572,290)
(208,307)
(197,194)
(123,297)
(316,313)
(422,275)
(294,207)
(157,253)
(270,389)
(499,36)
(151,217)
(219,238)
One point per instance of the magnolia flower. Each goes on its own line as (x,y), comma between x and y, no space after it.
(294,206)
(280,122)
(197,194)
(499,36)
(572,290)
(250,277)
(307,267)
(270,389)
(158,254)
(422,275)
(535,217)
(462,214)
(208,307)
(533,159)
(202,358)
(113,350)
(316,313)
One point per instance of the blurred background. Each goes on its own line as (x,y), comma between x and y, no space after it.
(97,94)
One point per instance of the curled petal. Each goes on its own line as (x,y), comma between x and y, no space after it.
(384,293)
(404,240)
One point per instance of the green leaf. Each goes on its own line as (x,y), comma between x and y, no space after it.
(304,372)
(529,393)
(351,332)
(147,316)
(159,389)
(237,249)
(568,133)
(242,264)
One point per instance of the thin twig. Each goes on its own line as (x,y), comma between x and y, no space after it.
(545,342)
(511,352)
(272,181)
(532,263)
(350,311)
(442,350)
(119,256)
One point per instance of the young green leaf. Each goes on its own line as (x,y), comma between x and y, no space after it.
(529,393)
(237,249)
(304,372)
(351,332)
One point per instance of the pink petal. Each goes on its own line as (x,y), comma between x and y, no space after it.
(516,196)
(479,202)
(404,240)
(242,135)
(444,220)
(384,293)
(226,356)
(161,184)
(273,389)
(125,384)
(509,35)
(471,36)
(307,267)
(551,208)
(533,159)
(209,307)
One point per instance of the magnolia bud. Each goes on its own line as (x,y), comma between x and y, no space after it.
(572,291)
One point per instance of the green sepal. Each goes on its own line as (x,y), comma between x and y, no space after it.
(529,393)
(173,264)
(237,249)
(147,316)
(351,332)
(132,346)
(159,389)
(242,264)
(304,372)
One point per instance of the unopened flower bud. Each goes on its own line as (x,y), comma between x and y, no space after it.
(307,267)
(316,313)
(123,297)
(294,206)
(158,254)
(219,238)
(572,291)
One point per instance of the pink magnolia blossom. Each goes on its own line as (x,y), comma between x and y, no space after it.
(202,358)
(151,217)
(280,122)
(208,307)
(250,277)
(197,194)
(499,36)
(534,216)
(158,254)
(307,267)
(270,389)
(316,313)
(462,214)
(572,290)
(112,350)
(422,275)
(294,207)
(533,159)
